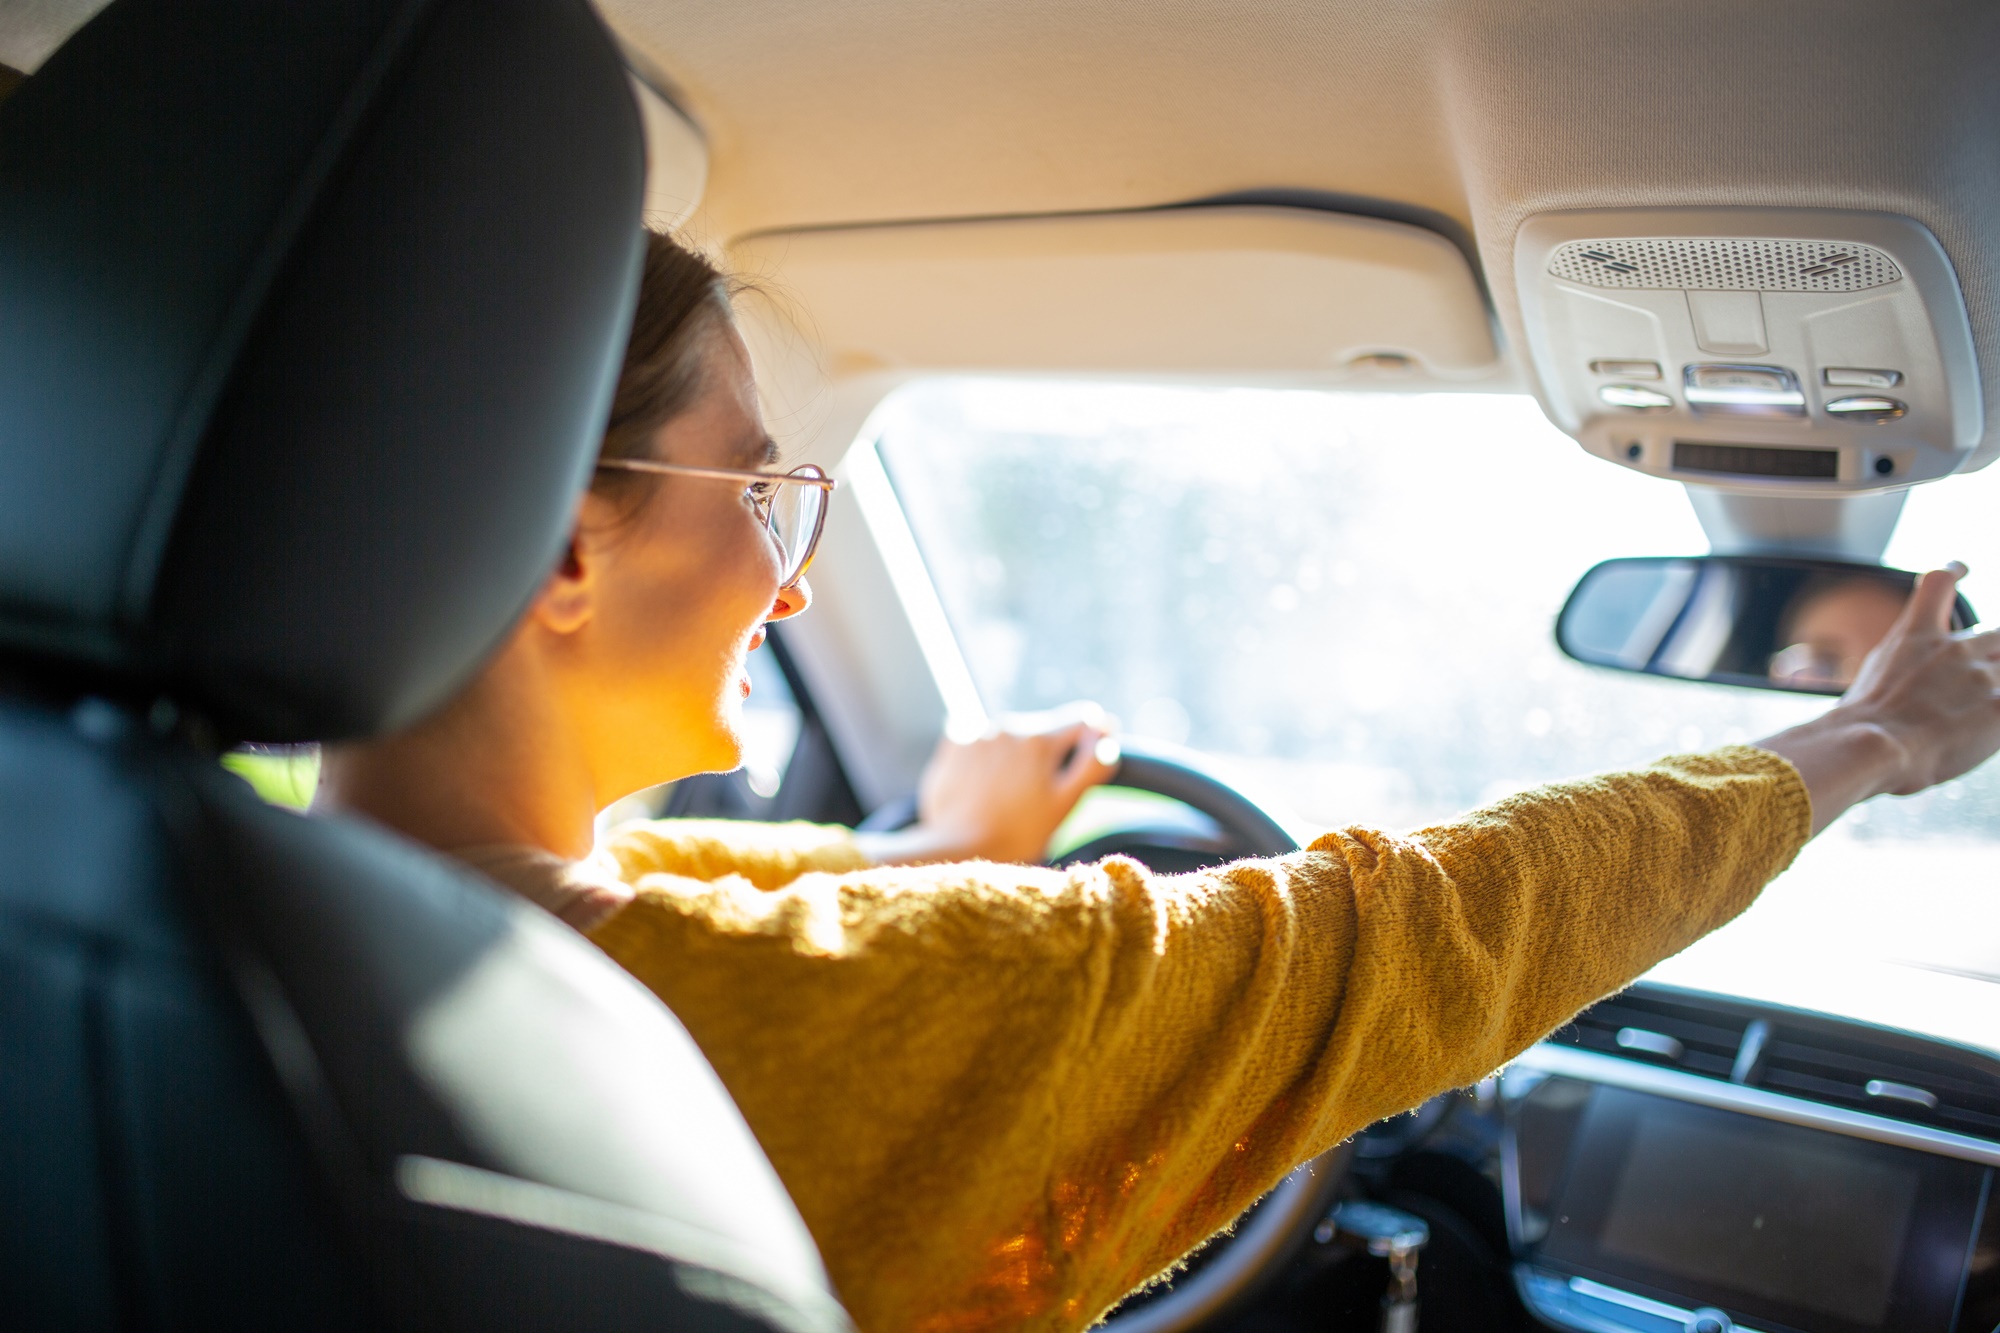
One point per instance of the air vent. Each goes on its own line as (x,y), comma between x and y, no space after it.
(1659,1032)
(1913,1085)
(1725,265)
(1887,1074)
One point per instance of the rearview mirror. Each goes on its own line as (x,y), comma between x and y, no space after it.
(1771,622)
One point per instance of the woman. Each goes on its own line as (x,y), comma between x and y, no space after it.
(1004,1096)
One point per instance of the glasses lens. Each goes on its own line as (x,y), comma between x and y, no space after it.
(795,517)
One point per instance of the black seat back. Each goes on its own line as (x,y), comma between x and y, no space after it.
(150,1175)
(309,315)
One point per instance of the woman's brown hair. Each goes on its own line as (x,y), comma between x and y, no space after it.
(683,303)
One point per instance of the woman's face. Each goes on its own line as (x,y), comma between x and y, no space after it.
(680,591)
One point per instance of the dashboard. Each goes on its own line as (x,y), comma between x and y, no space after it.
(1674,1161)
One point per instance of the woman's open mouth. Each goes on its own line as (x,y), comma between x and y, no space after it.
(757,637)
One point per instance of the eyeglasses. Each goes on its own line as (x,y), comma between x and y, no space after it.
(791,504)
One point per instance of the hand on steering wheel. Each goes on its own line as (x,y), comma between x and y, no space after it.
(1000,796)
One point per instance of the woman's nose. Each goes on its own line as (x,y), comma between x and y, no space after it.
(791,601)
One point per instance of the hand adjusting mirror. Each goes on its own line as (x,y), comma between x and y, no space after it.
(1771,622)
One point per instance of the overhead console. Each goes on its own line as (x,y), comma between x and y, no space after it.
(1781,352)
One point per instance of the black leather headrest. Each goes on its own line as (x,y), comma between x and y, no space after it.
(310,314)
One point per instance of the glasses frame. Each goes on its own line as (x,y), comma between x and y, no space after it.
(806,474)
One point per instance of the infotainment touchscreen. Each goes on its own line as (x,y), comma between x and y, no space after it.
(1781,1225)
(1815,1224)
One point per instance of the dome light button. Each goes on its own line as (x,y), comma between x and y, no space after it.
(1751,391)
(1854,377)
(1866,407)
(1634,397)
(1637,370)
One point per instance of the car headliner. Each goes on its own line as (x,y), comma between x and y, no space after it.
(1474,113)
(1468,115)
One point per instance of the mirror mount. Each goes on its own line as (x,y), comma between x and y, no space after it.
(1852,528)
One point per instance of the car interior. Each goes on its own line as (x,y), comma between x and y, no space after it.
(1379,408)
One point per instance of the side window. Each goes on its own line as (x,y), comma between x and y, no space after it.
(771,721)
(281,774)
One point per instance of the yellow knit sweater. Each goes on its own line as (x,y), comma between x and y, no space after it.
(1003,1097)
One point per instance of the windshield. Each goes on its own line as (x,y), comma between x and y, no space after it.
(1348,601)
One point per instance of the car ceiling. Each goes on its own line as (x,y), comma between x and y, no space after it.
(1468,114)
(1474,111)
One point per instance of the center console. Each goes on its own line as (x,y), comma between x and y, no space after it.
(1646,1198)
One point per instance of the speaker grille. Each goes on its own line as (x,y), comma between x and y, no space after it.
(1716,264)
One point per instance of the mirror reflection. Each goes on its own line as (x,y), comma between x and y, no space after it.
(1765,621)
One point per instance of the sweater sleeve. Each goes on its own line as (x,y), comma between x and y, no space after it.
(767,856)
(1003,1097)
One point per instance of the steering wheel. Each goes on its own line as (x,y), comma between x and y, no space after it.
(1274,1228)
(1230,826)
(1236,825)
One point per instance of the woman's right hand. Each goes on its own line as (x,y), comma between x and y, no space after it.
(1000,796)
(1935,691)
(1924,709)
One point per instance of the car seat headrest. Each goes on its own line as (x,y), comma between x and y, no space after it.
(309,320)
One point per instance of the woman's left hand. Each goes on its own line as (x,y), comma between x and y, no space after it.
(1000,797)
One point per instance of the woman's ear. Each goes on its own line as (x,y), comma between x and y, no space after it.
(567,601)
